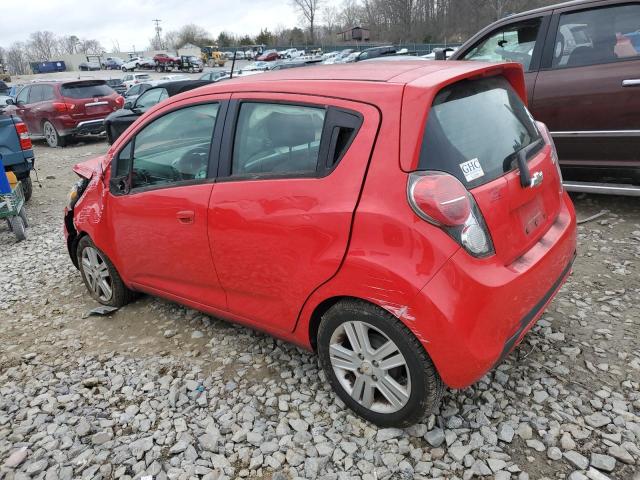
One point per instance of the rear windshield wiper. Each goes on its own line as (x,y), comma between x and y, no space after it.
(523,166)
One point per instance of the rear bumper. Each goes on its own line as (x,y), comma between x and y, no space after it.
(473,313)
(83,127)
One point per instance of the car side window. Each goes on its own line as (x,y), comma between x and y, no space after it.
(597,36)
(512,43)
(277,139)
(174,147)
(134,90)
(47,93)
(35,95)
(23,96)
(150,98)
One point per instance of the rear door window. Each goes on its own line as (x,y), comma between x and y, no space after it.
(150,98)
(86,90)
(513,43)
(601,35)
(475,129)
(277,139)
(36,94)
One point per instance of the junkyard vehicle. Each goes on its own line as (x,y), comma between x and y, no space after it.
(117,85)
(189,63)
(89,65)
(112,63)
(117,122)
(12,206)
(213,57)
(17,152)
(405,220)
(581,62)
(131,79)
(59,110)
(268,56)
(339,57)
(214,76)
(137,63)
(165,63)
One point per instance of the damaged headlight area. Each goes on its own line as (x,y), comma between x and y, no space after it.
(76,192)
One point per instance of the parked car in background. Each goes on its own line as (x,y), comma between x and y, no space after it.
(164,62)
(3,102)
(351,58)
(137,63)
(89,66)
(175,77)
(582,67)
(112,63)
(268,56)
(16,151)
(134,92)
(117,122)
(410,232)
(259,65)
(214,76)
(131,79)
(339,57)
(375,52)
(58,111)
(396,58)
(117,85)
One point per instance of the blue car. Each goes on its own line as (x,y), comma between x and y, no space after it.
(16,150)
(112,63)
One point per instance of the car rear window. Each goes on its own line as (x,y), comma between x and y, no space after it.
(143,76)
(475,129)
(86,90)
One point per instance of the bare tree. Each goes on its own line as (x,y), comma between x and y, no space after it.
(308,10)
(91,47)
(68,45)
(16,58)
(42,46)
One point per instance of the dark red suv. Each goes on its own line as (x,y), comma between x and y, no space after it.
(410,227)
(59,110)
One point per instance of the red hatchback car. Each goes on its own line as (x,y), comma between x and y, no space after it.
(410,228)
(59,110)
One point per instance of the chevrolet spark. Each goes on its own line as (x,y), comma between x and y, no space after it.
(405,221)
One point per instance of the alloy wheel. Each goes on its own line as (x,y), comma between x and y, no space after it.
(370,367)
(97,274)
(50,134)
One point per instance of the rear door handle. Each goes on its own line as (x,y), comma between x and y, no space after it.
(186,216)
(632,82)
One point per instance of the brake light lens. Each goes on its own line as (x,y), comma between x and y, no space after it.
(63,107)
(440,199)
(548,139)
(23,135)
(120,100)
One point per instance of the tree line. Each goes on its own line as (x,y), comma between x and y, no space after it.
(389,21)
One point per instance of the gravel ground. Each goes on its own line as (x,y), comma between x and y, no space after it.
(159,390)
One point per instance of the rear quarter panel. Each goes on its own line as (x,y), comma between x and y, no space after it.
(10,150)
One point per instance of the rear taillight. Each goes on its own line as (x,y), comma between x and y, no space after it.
(440,199)
(120,100)
(23,135)
(548,139)
(63,107)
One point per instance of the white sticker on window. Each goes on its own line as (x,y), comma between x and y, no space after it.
(472,169)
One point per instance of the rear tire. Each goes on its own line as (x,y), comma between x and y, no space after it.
(51,135)
(100,276)
(387,377)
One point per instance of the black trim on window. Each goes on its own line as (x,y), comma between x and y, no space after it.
(214,153)
(540,38)
(328,157)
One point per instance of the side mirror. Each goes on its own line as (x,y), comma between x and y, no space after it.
(440,54)
(119,185)
(128,105)
(10,101)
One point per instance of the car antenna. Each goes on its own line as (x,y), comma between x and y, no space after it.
(233,63)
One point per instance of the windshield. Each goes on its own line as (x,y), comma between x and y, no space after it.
(475,129)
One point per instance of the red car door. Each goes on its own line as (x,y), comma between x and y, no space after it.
(281,211)
(588,91)
(160,188)
(23,108)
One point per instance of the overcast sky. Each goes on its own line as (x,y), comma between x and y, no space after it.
(130,21)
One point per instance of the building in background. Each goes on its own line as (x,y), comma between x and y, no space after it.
(359,34)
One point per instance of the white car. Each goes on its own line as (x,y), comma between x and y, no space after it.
(136,63)
(175,78)
(131,79)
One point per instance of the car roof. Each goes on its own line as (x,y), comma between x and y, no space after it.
(174,88)
(369,72)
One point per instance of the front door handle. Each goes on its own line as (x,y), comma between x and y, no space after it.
(632,82)
(186,216)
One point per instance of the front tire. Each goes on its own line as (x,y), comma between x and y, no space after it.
(100,276)
(376,365)
(51,135)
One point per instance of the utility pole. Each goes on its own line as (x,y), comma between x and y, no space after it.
(158,30)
